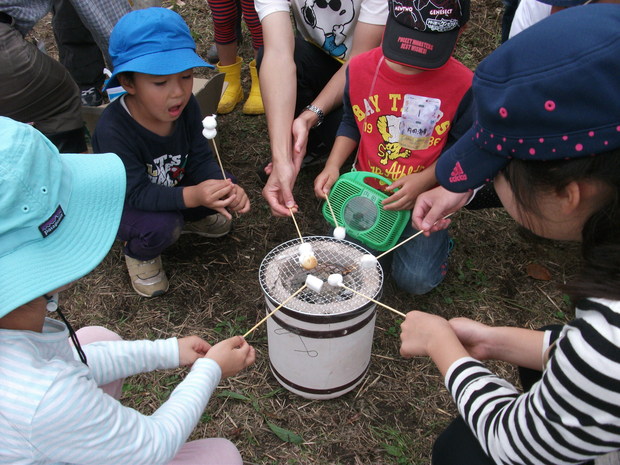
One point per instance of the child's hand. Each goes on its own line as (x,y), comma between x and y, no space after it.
(232,355)
(473,337)
(418,331)
(216,194)
(325,180)
(241,203)
(409,187)
(192,348)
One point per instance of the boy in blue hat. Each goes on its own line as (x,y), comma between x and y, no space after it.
(174,184)
(547,133)
(404,103)
(58,400)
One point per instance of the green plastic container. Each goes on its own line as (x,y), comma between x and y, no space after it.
(357,207)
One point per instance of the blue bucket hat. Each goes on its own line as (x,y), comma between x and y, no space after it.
(551,92)
(152,41)
(60,213)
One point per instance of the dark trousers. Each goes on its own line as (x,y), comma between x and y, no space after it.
(37,89)
(147,234)
(77,50)
(314,70)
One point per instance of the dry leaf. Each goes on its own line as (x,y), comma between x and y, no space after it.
(536,271)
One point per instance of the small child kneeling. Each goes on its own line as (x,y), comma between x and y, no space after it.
(174,185)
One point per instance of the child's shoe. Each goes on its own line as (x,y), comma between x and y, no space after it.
(254,104)
(212,226)
(148,277)
(233,93)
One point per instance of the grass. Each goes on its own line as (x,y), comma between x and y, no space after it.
(402,405)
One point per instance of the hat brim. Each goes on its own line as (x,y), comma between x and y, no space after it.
(159,64)
(82,240)
(424,50)
(563,3)
(466,166)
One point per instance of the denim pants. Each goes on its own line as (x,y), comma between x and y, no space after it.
(147,234)
(419,265)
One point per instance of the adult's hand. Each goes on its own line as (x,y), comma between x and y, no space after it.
(431,207)
(279,188)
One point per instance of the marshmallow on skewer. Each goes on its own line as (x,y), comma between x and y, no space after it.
(209,124)
(335,280)
(308,261)
(368,261)
(305,248)
(340,232)
(314,283)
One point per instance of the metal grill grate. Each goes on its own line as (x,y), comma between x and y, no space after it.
(281,275)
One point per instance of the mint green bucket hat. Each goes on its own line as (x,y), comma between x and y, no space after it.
(59,213)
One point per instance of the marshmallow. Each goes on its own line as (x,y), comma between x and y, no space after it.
(209,122)
(335,280)
(340,232)
(308,261)
(314,283)
(305,248)
(368,261)
(209,133)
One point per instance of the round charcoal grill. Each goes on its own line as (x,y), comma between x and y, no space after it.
(281,275)
(320,342)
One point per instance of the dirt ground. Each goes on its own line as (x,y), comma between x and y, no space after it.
(498,274)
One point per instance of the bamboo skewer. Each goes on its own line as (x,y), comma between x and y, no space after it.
(296,226)
(409,238)
(274,310)
(331,210)
(219,160)
(375,301)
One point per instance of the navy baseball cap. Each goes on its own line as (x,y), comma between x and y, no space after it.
(423,35)
(152,41)
(551,92)
(565,3)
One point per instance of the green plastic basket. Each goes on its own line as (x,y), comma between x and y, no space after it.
(357,207)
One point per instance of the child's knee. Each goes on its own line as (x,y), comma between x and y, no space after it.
(417,283)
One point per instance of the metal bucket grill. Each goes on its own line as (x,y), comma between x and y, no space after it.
(281,275)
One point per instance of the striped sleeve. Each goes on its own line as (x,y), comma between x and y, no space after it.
(570,416)
(78,423)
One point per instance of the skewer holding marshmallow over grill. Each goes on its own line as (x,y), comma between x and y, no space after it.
(314,283)
(306,256)
(209,123)
(336,280)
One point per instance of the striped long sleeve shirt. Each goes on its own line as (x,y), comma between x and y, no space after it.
(570,416)
(52,412)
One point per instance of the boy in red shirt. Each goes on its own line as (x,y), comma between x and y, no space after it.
(407,102)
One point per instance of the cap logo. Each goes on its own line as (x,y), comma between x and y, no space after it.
(52,223)
(457,173)
(442,25)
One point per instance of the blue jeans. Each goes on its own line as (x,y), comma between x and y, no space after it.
(421,264)
(418,266)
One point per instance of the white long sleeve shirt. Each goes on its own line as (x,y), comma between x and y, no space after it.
(52,412)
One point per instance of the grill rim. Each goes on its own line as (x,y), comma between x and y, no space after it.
(269,257)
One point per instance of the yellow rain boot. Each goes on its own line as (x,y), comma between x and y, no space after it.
(254,103)
(233,93)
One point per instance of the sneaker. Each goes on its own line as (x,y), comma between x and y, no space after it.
(91,97)
(216,225)
(148,277)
